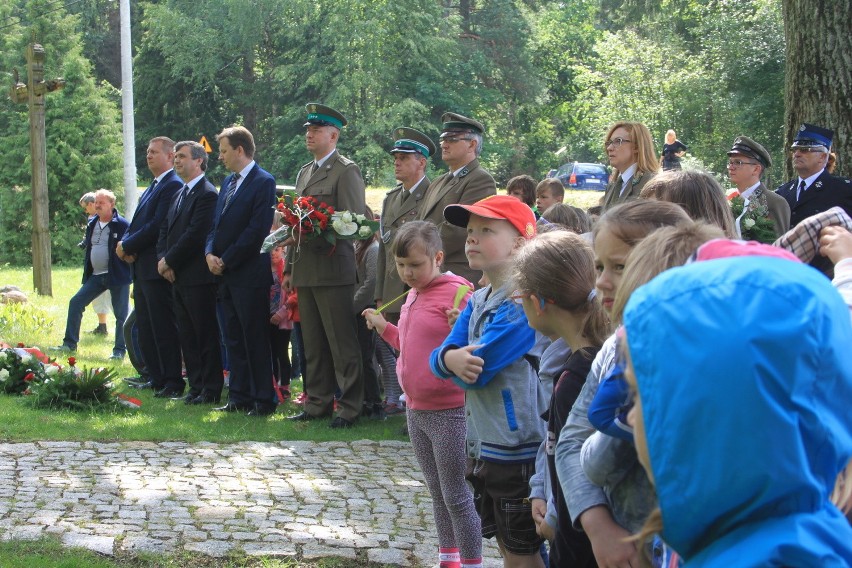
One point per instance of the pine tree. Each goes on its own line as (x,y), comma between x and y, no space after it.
(83,133)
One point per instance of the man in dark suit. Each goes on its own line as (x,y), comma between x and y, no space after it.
(747,160)
(152,295)
(243,219)
(814,190)
(180,250)
(324,276)
(467,182)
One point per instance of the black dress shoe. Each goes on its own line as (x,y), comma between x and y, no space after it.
(340,422)
(135,380)
(303,417)
(261,410)
(234,407)
(202,399)
(145,385)
(169,392)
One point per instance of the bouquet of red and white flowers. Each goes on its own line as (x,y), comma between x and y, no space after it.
(306,217)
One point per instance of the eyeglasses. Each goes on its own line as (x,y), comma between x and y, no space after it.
(518,297)
(451,139)
(739,163)
(807,149)
(616,142)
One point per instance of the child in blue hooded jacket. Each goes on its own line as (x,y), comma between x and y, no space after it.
(757,349)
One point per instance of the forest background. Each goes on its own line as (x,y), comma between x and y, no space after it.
(546,79)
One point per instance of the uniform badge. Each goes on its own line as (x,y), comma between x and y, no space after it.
(312,109)
(529,230)
(464,171)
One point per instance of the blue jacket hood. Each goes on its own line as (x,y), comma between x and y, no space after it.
(744,367)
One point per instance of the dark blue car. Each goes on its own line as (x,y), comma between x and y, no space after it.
(577,175)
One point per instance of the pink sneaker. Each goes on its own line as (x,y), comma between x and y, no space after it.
(392,409)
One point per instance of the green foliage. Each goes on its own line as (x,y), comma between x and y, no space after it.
(23,320)
(89,389)
(546,79)
(83,135)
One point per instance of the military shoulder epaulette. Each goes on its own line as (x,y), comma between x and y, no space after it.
(397,189)
(344,160)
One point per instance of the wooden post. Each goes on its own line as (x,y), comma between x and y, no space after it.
(33,94)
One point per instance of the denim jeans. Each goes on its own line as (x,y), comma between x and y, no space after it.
(93,287)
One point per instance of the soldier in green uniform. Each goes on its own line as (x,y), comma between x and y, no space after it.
(467,182)
(324,276)
(411,150)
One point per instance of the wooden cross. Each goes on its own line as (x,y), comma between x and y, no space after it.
(33,93)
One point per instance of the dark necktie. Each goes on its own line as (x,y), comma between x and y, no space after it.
(314,168)
(147,195)
(183,194)
(232,189)
(405,194)
(802,188)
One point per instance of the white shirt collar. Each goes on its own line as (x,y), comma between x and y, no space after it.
(243,173)
(161,176)
(319,163)
(626,176)
(191,183)
(456,172)
(811,179)
(746,194)
(416,185)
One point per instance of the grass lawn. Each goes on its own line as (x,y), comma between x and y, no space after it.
(158,419)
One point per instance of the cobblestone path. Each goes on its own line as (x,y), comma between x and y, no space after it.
(302,499)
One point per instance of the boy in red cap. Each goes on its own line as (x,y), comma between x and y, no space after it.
(493,354)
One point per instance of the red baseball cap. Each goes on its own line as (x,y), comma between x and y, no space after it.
(504,207)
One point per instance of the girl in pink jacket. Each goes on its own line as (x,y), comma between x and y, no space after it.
(436,422)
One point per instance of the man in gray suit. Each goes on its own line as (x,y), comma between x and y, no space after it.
(747,161)
(324,276)
(467,182)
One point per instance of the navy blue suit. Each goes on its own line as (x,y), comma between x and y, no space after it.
(183,236)
(152,295)
(825,192)
(237,234)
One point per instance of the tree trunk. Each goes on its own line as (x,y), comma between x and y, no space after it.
(818,80)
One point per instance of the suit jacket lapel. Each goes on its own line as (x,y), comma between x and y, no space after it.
(241,190)
(811,192)
(410,203)
(438,191)
(321,173)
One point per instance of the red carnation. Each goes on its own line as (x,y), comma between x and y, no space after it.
(21,345)
(72,361)
(29,376)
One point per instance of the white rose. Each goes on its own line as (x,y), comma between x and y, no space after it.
(345,228)
(346,217)
(365,232)
(51,370)
(360,218)
(749,223)
(4,374)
